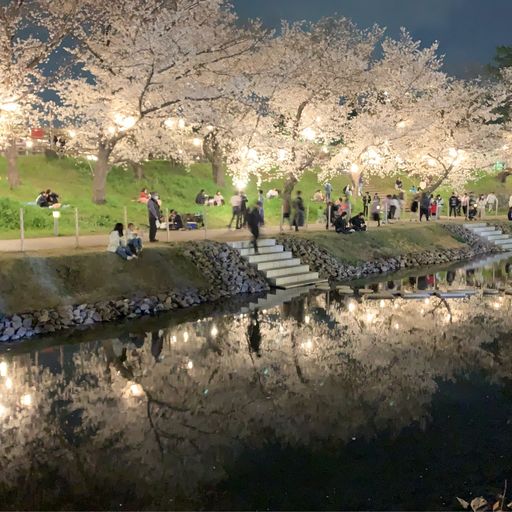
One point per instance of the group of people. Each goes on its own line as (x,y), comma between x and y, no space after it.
(472,206)
(203,199)
(48,199)
(344,225)
(127,245)
(240,211)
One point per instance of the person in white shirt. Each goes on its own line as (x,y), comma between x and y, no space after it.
(272,193)
(117,245)
(491,202)
(236,205)
(510,202)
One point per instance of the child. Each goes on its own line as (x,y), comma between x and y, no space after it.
(133,240)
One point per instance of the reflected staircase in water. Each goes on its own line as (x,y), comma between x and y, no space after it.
(276,297)
(491,234)
(280,267)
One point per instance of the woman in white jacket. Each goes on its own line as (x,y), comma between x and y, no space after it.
(117,244)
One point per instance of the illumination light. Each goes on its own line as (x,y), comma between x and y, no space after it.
(10,106)
(3,369)
(453,152)
(185,336)
(354,168)
(125,122)
(136,389)
(190,365)
(209,128)
(214,331)
(240,183)
(401,124)
(308,133)
(307,345)
(181,123)
(252,154)
(8,383)
(170,123)
(173,340)
(26,400)
(3,411)
(307,319)
(325,149)
(111,130)
(72,133)
(29,144)
(370,317)
(396,326)
(56,214)
(282,154)
(196,141)
(352,306)
(92,158)
(382,303)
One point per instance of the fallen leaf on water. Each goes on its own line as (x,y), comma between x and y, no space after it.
(464,503)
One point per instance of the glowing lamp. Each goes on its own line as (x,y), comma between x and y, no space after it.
(26,400)
(190,365)
(196,141)
(354,168)
(29,144)
(309,134)
(56,214)
(181,123)
(10,106)
(170,123)
(72,133)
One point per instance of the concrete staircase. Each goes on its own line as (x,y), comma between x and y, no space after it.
(491,234)
(279,266)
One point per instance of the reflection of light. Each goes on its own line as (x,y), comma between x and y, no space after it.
(352,306)
(185,336)
(136,389)
(196,141)
(427,301)
(173,339)
(72,133)
(111,130)
(214,331)
(56,214)
(309,134)
(453,152)
(181,123)
(26,400)
(370,317)
(382,303)
(8,383)
(3,411)
(190,365)
(396,326)
(10,106)
(401,124)
(307,319)
(3,369)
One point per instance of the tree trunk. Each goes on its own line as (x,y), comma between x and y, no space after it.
(439,182)
(354,177)
(289,184)
(138,170)
(13,174)
(213,153)
(99,181)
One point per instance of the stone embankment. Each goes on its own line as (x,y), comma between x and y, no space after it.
(322,261)
(225,271)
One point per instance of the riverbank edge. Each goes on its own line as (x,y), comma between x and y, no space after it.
(227,274)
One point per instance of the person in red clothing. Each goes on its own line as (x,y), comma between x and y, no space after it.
(143,196)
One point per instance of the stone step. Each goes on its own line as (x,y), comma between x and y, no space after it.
(506,247)
(269,265)
(473,225)
(264,249)
(245,244)
(258,258)
(503,242)
(491,233)
(307,277)
(485,231)
(502,236)
(284,271)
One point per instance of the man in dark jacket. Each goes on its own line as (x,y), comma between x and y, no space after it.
(358,222)
(154,216)
(253,221)
(452,202)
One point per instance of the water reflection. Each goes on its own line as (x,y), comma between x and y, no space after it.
(146,420)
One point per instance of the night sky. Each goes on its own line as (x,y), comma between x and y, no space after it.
(468,30)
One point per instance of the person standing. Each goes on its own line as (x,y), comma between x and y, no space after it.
(236,203)
(492,201)
(375,209)
(452,202)
(480,206)
(261,200)
(328,191)
(253,222)
(360,185)
(425,206)
(298,211)
(154,216)
(367,200)
(243,210)
(465,204)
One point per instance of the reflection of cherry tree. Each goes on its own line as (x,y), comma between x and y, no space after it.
(185,403)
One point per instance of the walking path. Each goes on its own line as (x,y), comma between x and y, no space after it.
(222,235)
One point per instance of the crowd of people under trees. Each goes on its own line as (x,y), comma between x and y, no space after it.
(338,213)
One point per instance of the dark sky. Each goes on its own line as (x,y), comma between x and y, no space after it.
(468,30)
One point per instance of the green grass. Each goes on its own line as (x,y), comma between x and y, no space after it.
(177,187)
(387,242)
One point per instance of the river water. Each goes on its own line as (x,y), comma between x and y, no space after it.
(326,402)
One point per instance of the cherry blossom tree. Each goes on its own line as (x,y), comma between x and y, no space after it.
(142,69)
(31,32)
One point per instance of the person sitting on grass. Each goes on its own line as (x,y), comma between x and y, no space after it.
(53,199)
(116,243)
(42,200)
(341,224)
(143,196)
(175,220)
(134,241)
(318,197)
(218,199)
(358,222)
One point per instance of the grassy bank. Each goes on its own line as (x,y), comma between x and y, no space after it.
(177,186)
(377,243)
(47,280)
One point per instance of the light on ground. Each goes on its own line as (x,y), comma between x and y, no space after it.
(309,133)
